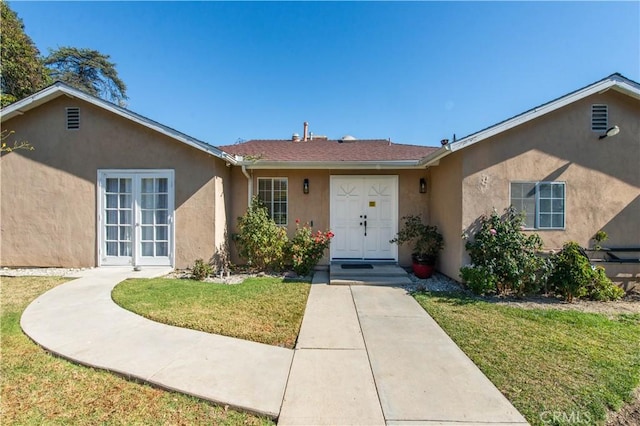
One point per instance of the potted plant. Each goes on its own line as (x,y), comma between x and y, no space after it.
(427,243)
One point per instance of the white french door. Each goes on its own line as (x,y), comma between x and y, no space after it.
(364,217)
(136,217)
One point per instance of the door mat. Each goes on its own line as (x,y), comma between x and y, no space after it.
(356,266)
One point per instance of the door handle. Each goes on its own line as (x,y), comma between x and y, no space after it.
(365,227)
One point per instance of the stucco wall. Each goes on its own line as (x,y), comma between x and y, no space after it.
(445,208)
(315,205)
(48,200)
(602,176)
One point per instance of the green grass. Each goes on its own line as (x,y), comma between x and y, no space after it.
(38,388)
(265,310)
(577,365)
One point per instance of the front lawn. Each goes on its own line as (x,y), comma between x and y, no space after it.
(556,367)
(266,310)
(38,388)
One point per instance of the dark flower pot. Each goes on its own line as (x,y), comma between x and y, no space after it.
(423,265)
(422,271)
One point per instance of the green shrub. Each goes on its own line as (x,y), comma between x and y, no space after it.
(599,238)
(307,248)
(479,279)
(573,276)
(571,273)
(201,270)
(602,288)
(261,242)
(509,257)
(427,241)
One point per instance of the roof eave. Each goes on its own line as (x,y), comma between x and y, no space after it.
(323,165)
(613,82)
(59,89)
(433,158)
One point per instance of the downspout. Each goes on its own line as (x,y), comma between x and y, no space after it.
(249,184)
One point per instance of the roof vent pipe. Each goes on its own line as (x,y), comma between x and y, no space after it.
(305,136)
(295,137)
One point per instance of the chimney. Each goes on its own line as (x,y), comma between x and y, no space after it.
(295,137)
(444,142)
(305,135)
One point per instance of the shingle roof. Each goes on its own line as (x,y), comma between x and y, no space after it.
(322,150)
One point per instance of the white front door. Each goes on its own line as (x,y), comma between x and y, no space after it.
(135,217)
(364,217)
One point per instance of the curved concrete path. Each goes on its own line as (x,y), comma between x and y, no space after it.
(79,321)
(365,355)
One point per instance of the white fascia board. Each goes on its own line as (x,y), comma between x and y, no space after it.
(334,165)
(58,89)
(628,89)
(19,107)
(433,159)
(614,82)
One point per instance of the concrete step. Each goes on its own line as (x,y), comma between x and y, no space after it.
(369,281)
(380,274)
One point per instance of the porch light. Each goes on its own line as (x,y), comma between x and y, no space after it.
(305,186)
(612,131)
(423,185)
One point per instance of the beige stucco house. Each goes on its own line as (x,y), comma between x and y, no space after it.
(106,186)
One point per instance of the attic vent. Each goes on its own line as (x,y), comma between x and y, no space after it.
(73,118)
(599,118)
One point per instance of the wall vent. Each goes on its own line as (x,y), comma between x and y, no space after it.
(73,118)
(599,118)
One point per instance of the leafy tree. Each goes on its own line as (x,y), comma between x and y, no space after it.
(23,72)
(87,70)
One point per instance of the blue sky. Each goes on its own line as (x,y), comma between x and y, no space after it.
(415,72)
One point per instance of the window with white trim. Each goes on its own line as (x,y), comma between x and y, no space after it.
(542,202)
(599,118)
(73,118)
(273,192)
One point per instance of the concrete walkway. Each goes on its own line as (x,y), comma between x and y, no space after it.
(371,355)
(79,321)
(365,355)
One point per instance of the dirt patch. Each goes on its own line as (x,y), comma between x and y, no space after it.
(233,276)
(629,415)
(630,304)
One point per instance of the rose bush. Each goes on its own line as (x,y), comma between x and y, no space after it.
(306,248)
(503,258)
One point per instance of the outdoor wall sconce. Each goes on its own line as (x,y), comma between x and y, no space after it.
(612,131)
(423,185)
(305,186)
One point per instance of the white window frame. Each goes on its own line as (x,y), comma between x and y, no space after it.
(136,257)
(270,206)
(537,213)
